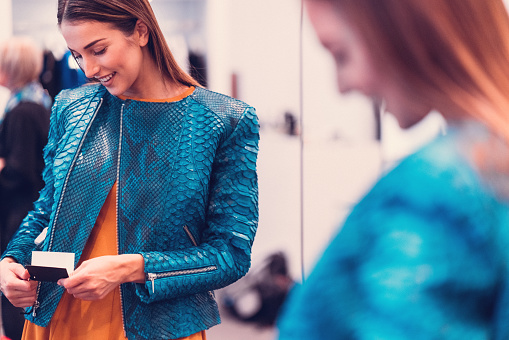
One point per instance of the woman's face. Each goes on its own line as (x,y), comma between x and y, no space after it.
(355,68)
(108,55)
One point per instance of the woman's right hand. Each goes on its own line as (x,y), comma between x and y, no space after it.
(15,285)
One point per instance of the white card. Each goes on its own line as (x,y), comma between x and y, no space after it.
(53,259)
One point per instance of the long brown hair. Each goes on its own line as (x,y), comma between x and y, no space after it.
(123,15)
(453,53)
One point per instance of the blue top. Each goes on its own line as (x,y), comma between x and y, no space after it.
(423,256)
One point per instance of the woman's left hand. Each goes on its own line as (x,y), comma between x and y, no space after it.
(97,277)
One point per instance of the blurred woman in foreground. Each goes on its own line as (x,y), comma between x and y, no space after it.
(425,254)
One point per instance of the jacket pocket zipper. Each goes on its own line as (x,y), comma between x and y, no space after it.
(190,235)
(193,241)
(153,276)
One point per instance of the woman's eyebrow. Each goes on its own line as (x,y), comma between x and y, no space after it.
(93,43)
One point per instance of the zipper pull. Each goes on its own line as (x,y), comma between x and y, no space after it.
(34,307)
(152,277)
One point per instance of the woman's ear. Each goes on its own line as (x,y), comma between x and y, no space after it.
(143,33)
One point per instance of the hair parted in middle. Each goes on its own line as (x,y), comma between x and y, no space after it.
(123,15)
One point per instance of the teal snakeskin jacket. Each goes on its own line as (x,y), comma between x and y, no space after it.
(424,255)
(187,200)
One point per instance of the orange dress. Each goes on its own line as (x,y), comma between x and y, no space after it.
(101,319)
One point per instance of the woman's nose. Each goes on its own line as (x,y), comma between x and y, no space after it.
(90,68)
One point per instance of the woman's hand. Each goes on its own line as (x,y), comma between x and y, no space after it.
(15,285)
(97,277)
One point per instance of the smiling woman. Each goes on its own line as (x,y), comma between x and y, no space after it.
(150,67)
(101,57)
(150,180)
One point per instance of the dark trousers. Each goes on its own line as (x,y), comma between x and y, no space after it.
(12,213)
(13,319)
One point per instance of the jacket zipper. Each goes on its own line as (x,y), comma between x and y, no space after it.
(117,206)
(36,303)
(152,276)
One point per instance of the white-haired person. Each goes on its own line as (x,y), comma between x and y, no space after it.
(23,135)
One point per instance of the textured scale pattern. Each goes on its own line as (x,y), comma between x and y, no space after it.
(190,163)
(422,256)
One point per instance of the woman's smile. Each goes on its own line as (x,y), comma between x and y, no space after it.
(106,80)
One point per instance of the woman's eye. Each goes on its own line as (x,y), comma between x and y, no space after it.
(100,52)
(78,58)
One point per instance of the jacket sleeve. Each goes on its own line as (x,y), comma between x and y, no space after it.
(22,243)
(415,260)
(224,253)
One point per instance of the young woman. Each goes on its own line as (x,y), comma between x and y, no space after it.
(424,254)
(151,182)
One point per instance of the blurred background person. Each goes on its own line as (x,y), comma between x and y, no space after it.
(424,255)
(23,135)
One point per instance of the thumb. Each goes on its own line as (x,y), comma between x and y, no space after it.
(19,271)
(23,274)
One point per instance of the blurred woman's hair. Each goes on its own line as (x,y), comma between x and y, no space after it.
(21,61)
(453,53)
(123,15)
